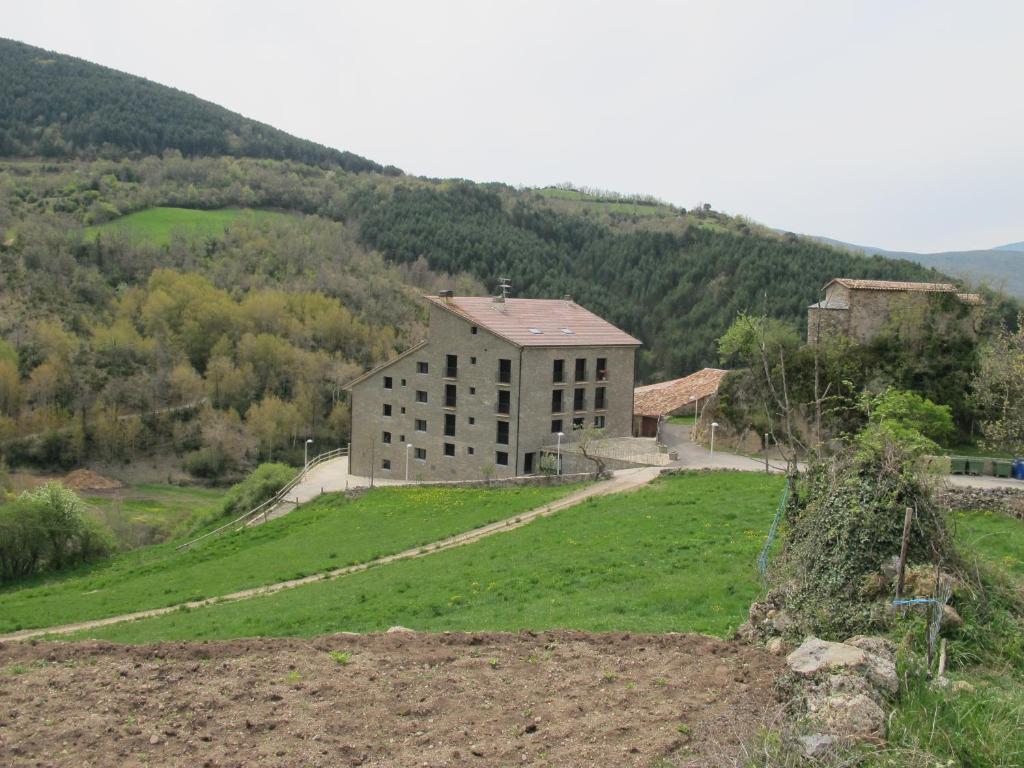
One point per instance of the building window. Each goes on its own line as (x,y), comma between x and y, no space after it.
(472,329)
(501,458)
(422,367)
(579,399)
(450,391)
(472,420)
(386,437)
(449,449)
(421,454)
(577,423)
(472,361)
(387,382)
(449,425)
(558,372)
(556,426)
(557,406)
(421,425)
(421,396)
(502,435)
(401,439)
(599,398)
(504,371)
(581,369)
(402,409)
(403,382)
(602,369)
(472,390)
(451,366)
(599,421)
(504,401)
(387,409)
(385,463)
(469,450)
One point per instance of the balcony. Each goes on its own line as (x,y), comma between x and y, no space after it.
(451,372)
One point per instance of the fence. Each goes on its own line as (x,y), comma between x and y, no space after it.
(265,508)
(762,559)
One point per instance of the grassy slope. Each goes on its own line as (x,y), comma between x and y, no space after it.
(675,556)
(156,505)
(328,533)
(158,225)
(982,726)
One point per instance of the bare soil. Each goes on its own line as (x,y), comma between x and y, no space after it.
(87,480)
(398,699)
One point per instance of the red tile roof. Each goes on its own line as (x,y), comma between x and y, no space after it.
(537,322)
(890,285)
(667,397)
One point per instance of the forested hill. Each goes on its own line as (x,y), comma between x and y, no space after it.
(58,106)
(675,279)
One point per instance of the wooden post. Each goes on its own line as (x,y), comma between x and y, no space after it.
(900,581)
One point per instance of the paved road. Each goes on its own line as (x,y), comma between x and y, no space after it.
(621,481)
(324,478)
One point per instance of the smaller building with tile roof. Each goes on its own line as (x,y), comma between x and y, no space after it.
(493,383)
(863,309)
(654,402)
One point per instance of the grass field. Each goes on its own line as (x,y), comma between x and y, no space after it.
(158,225)
(328,533)
(995,537)
(151,513)
(678,555)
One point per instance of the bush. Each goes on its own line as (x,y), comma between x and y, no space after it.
(45,529)
(209,463)
(265,481)
(845,521)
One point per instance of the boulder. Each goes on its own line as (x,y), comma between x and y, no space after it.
(816,655)
(879,646)
(398,630)
(817,745)
(849,717)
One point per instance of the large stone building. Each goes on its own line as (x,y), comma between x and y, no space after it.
(490,387)
(862,309)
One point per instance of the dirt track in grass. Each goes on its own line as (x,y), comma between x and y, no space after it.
(398,699)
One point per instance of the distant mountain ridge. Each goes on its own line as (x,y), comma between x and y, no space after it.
(58,106)
(999,267)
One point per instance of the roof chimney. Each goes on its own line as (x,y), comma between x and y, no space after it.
(567,297)
(446,295)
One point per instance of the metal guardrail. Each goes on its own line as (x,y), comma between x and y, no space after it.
(264,509)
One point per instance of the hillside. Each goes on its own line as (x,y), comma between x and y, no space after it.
(148,270)
(57,106)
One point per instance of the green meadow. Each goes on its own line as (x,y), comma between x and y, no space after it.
(328,533)
(159,225)
(678,555)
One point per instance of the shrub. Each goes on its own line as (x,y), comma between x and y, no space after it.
(209,463)
(845,521)
(265,481)
(45,529)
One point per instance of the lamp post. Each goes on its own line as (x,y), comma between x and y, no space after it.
(408,447)
(305,453)
(714,426)
(558,454)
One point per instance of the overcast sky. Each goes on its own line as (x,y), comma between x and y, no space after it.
(894,124)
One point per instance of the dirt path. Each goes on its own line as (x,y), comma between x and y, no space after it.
(622,481)
(397,700)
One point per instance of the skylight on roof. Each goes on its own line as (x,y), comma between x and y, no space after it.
(567,331)
(536,331)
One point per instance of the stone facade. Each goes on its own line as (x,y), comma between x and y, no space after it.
(863,309)
(489,413)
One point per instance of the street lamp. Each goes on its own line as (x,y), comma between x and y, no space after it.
(558,454)
(408,447)
(305,452)
(714,426)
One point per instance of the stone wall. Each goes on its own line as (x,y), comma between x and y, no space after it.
(1009,501)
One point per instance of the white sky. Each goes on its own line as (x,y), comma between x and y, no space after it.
(897,124)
